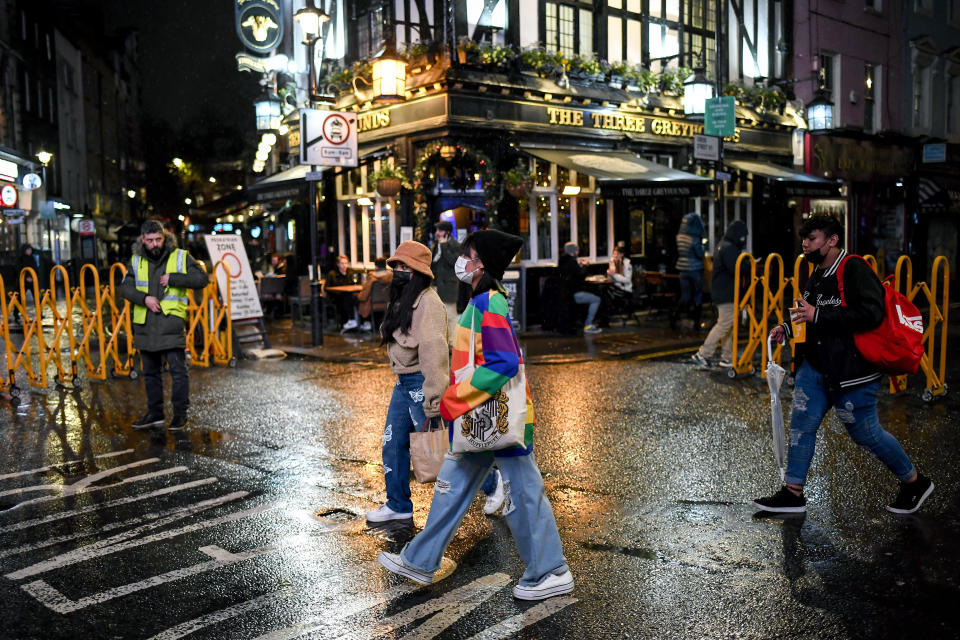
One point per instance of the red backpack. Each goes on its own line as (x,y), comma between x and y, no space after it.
(896,346)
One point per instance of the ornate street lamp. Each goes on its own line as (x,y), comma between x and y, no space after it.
(696,91)
(389,76)
(268,112)
(311,21)
(820,112)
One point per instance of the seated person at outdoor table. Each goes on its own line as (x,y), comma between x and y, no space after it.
(573,276)
(345,303)
(620,271)
(364,302)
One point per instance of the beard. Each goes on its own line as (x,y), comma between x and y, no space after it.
(154,253)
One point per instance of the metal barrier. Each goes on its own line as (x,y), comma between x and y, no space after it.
(772,286)
(92,325)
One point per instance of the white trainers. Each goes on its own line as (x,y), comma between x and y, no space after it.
(384,513)
(366,326)
(394,563)
(495,499)
(553,586)
(348,325)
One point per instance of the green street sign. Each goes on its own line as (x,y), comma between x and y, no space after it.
(720,117)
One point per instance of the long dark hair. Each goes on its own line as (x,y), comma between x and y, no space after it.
(399,314)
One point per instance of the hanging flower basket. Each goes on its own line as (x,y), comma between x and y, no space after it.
(521,190)
(388,187)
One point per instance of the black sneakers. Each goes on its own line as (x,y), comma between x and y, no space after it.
(783,501)
(148,420)
(911,495)
(178,423)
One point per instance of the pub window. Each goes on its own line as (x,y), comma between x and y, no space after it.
(369,26)
(568,27)
(583,225)
(921,89)
(624,31)
(487,21)
(869,97)
(543,217)
(828,80)
(564,226)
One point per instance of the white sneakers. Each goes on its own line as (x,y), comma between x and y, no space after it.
(348,325)
(553,586)
(394,563)
(366,326)
(495,500)
(384,513)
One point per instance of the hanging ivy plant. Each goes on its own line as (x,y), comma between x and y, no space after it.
(466,163)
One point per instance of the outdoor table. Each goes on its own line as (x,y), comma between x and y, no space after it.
(345,288)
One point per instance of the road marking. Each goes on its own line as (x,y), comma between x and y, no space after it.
(53,599)
(186,628)
(664,354)
(178,512)
(28,472)
(512,625)
(82,483)
(97,550)
(131,479)
(106,505)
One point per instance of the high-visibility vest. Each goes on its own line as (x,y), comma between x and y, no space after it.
(174,299)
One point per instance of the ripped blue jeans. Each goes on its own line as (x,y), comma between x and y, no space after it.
(405,414)
(856,409)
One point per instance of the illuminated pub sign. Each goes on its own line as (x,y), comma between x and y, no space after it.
(259,24)
(627,122)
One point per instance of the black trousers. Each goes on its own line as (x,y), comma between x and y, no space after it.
(153,381)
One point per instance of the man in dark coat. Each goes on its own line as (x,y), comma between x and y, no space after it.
(156,285)
(690,267)
(573,277)
(446,250)
(724,272)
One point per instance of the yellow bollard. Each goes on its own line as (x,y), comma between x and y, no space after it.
(745,301)
(221,325)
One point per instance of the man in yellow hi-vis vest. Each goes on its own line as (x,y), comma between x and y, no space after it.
(156,285)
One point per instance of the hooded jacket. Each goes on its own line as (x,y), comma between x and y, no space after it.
(160,332)
(689,243)
(829,347)
(445,256)
(725,263)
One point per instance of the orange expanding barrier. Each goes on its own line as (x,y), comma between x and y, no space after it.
(90,326)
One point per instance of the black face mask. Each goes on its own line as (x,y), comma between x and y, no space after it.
(401,278)
(817,256)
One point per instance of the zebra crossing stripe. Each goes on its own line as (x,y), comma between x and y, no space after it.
(186,628)
(60,515)
(95,551)
(512,625)
(163,518)
(17,474)
(82,483)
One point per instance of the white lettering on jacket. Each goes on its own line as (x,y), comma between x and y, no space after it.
(827,302)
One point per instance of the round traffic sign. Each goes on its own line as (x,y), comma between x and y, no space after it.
(336,129)
(8,195)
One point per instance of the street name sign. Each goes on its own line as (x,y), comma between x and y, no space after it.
(723,176)
(244,299)
(720,117)
(15,213)
(328,138)
(313,176)
(706,147)
(935,152)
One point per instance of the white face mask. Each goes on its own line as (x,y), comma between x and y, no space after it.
(460,269)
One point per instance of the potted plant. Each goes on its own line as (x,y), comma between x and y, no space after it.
(518,181)
(468,50)
(389,180)
(495,56)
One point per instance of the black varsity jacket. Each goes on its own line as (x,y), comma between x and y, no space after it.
(829,347)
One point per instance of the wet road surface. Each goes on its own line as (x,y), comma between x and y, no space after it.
(250,523)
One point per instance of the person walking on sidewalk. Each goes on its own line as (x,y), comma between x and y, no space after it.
(156,285)
(690,267)
(724,272)
(414,330)
(573,277)
(527,509)
(446,250)
(831,372)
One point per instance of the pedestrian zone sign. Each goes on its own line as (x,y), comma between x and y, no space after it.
(244,299)
(720,117)
(328,138)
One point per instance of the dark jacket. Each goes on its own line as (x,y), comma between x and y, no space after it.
(725,262)
(160,332)
(571,273)
(690,243)
(444,277)
(829,346)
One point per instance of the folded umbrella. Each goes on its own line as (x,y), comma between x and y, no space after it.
(775,374)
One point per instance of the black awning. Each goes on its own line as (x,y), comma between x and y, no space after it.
(792,183)
(622,173)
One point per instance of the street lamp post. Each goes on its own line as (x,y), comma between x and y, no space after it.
(45,157)
(311,21)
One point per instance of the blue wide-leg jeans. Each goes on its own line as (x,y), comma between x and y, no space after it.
(526,509)
(857,410)
(405,414)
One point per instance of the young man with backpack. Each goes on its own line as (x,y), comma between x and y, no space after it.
(831,371)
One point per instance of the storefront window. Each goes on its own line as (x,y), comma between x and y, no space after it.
(541,169)
(563,222)
(603,228)
(544,248)
(583,225)
(637,231)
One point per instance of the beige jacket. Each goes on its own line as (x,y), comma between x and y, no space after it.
(424,349)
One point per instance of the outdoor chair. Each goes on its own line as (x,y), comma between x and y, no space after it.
(272,297)
(379,301)
(300,301)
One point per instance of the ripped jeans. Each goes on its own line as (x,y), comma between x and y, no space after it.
(856,409)
(405,414)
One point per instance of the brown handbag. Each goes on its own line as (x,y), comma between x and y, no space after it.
(427,449)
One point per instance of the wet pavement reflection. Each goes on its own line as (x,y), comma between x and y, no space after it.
(249,524)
